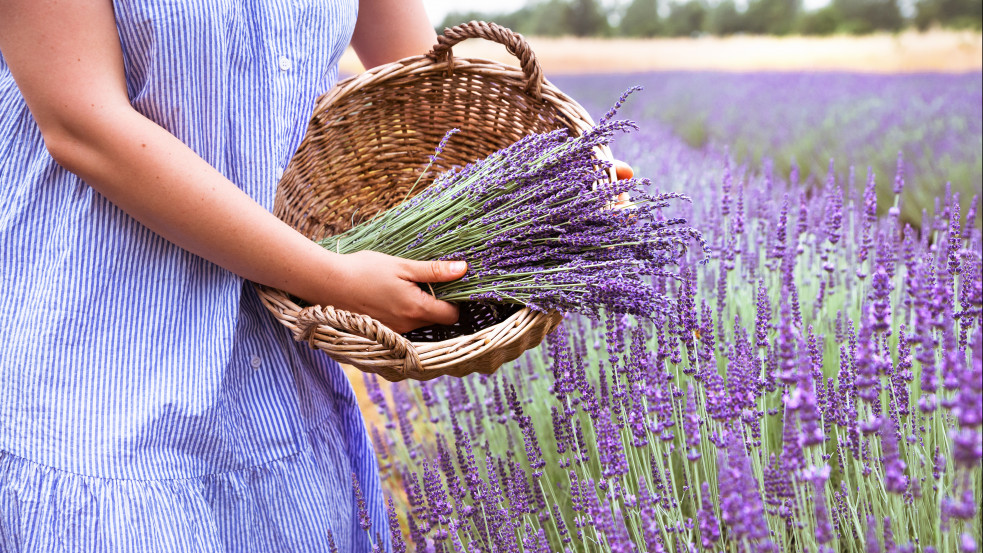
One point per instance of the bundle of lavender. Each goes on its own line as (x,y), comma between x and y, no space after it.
(535,223)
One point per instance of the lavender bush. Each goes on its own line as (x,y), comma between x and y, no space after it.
(804,119)
(815,387)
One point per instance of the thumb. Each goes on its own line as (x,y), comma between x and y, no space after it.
(435,271)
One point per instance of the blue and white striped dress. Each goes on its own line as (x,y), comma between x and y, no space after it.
(148,402)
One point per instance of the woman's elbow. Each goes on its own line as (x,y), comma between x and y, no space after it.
(76,142)
(61,146)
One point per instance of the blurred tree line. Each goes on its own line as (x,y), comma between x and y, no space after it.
(651,18)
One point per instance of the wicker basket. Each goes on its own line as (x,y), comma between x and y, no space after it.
(368,140)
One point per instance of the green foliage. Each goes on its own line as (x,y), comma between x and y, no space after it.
(686,19)
(824,21)
(964,14)
(867,16)
(587,18)
(725,19)
(641,19)
(547,18)
(771,16)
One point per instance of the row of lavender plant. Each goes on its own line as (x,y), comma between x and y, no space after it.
(817,389)
(806,118)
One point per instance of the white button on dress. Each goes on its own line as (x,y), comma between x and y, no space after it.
(284,63)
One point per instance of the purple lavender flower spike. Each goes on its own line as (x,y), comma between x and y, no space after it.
(899,176)
(332,547)
(740,500)
(762,318)
(691,426)
(967,543)
(617,105)
(834,208)
(824,530)
(895,480)
(395,534)
(709,527)
(872,542)
(363,514)
(725,186)
(610,449)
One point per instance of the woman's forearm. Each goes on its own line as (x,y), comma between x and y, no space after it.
(67,60)
(165,185)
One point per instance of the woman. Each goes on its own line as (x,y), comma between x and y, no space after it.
(148,402)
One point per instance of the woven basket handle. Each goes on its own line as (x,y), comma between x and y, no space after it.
(513,42)
(360,325)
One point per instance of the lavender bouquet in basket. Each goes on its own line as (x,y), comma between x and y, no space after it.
(536,224)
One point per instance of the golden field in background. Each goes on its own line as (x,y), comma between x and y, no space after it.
(910,51)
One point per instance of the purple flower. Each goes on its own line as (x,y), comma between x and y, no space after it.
(899,176)
(740,500)
(363,514)
(332,548)
(895,480)
(967,544)
(834,208)
(778,249)
(824,530)
(762,318)
(610,450)
(691,426)
(872,541)
(709,527)
(395,534)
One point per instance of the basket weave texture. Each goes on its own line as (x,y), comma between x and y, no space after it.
(369,139)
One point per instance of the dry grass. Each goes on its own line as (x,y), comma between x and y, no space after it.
(945,51)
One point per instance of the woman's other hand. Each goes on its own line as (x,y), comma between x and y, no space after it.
(623,171)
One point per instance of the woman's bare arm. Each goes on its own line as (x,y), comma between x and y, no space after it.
(66,59)
(390,30)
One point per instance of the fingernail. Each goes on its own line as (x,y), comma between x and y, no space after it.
(458,266)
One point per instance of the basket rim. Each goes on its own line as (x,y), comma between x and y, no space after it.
(574,114)
(287,311)
(432,358)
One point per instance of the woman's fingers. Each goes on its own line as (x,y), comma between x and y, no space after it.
(425,272)
(623,170)
(434,271)
(388,289)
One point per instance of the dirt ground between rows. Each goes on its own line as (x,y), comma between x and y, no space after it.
(932,51)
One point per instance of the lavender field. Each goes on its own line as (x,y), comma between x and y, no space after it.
(818,384)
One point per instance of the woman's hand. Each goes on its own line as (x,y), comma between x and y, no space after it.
(385,288)
(623,171)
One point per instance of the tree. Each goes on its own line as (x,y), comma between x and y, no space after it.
(686,19)
(724,19)
(949,13)
(587,18)
(867,16)
(641,18)
(824,21)
(771,16)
